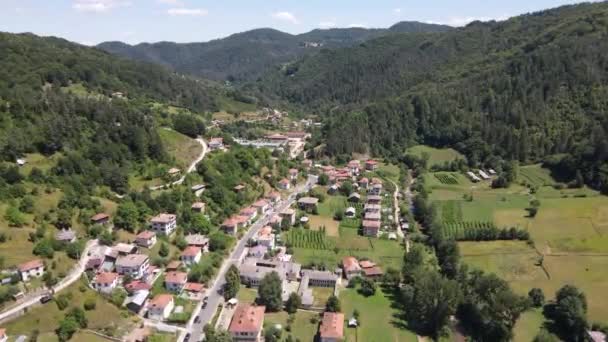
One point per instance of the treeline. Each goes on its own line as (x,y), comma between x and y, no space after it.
(532,88)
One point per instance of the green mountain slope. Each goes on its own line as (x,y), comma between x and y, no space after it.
(527,88)
(247,55)
(56,96)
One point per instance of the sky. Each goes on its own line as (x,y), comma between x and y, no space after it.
(133,21)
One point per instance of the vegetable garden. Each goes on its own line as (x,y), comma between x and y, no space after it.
(309,239)
(451,211)
(481,231)
(446,178)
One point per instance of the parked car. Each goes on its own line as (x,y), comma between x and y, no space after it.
(45,299)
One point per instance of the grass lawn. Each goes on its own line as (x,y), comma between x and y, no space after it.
(183,148)
(378,318)
(37,160)
(321,295)
(46,318)
(332,203)
(301,328)
(437,156)
(331,225)
(528,325)
(246,295)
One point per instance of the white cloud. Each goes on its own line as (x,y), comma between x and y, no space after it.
(358,26)
(327,24)
(463,21)
(98,6)
(285,16)
(397,11)
(188,11)
(170,2)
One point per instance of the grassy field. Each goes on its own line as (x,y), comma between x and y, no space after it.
(183,148)
(246,295)
(321,295)
(302,328)
(379,321)
(528,325)
(437,156)
(46,318)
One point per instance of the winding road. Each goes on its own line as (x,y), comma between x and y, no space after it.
(190,169)
(72,277)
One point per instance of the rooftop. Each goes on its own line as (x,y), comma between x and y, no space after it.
(176,277)
(160,301)
(105,278)
(332,325)
(350,264)
(146,234)
(163,218)
(247,318)
(131,260)
(30,265)
(191,251)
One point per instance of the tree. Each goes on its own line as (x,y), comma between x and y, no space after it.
(44,248)
(367,287)
(392,277)
(323,179)
(14,217)
(448,256)
(333,304)
(163,251)
(74,250)
(537,297)
(67,328)
(272,334)
(293,303)
(413,260)
(79,316)
(127,216)
(430,301)
(90,304)
(270,292)
(233,282)
(570,313)
(27,205)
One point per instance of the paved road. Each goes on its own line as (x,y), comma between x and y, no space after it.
(215,298)
(73,276)
(190,169)
(396,209)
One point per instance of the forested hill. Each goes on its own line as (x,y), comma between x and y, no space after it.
(247,55)
(57,96)
(531,88)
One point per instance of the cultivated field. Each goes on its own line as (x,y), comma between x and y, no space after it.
(437,156)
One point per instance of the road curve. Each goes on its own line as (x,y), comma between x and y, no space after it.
(190,169)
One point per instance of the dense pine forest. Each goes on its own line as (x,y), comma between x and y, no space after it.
(532,88)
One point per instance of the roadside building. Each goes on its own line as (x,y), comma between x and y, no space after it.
(198,207)
(289,215)
(247,323)
(216,144)
(164,224)
(197,240)
(146,239)
(135,265)
(284,184)
(371,165)
(122,248)
(274,197)
(350,267)
(293,174)
(137,301)
(308,203)
(31,269)
(100,218)
(265,237)
(364,183)
(262,206)
(175,281)
(355,197)
(371,228)
(191,255)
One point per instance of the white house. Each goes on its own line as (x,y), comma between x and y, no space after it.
(105,282)
(191,255)
(164,223)
(135,265)
(175,281)
(160,307)
(146,239)
(31,269)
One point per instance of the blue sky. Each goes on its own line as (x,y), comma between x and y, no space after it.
(133,21)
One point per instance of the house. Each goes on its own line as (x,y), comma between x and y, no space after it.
(363,183)
(134,265)
(100,218)
(284,184)
(299,135)
(375,189)
(160,307)
(372,208)
(146,239)
(124,248)
(370,270)
(332,327)
(174,172)
(354,197)
(198,207)
(31,269)
(350,267)
(293,174)
(374,199)
(137,285)
(216,144)
(371,228)
(105,282)
(265,237)
(354,167)
(274,197)
(198,189)
(164,224)
(350,212)
(308,203)
(320,278)
(307,164)
(275,221)
(253,270)
(191,255)
(333,189)
(262,206)
(233,224)
(3,336)
(371,165)
(250,212)
(372,216)
(194,290)
(137,301)
(258,251)
(197,240)
(65,235)
(175,281)
(247,323)
(289,215)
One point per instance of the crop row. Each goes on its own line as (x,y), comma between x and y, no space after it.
(309,239)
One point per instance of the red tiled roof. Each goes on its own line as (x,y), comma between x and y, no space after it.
(332,325)
(99,217)
(260,203)
(146,235)
(160,301)
(136,285)
(350,263)
(371,162)
(194,287)
(367,263)
(105,278)
(284,181)
(247,318)
(191,251)
(176,277)
(163,218)
(373,271)
(371,224)
(30,265)
(173,265)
